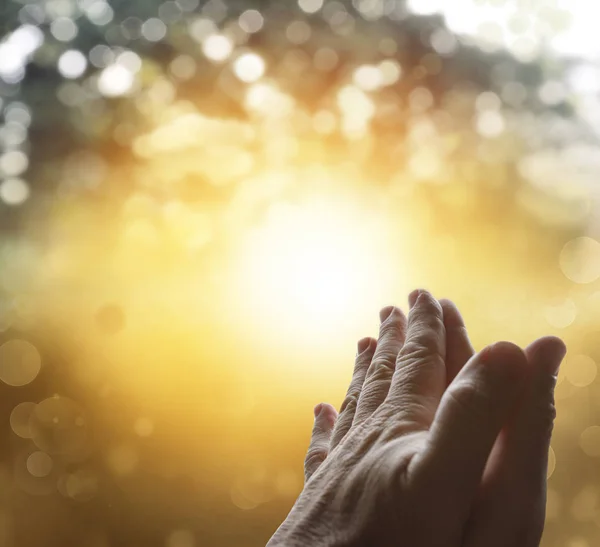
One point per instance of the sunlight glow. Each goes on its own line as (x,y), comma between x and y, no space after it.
(567,27)
(249,67)
(115,80)
(314,268)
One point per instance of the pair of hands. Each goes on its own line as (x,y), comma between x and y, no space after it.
(434,444)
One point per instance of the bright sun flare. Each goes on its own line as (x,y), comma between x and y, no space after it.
(315,268)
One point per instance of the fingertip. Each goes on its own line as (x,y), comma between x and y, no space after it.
(446,303)
(325,412)
(549,351)
(413,297)
(505,358)
(420,296)
(547,343)
(317,410)
(365,344)
(558,344)
(385,313)
(503,351)
(452,316)
(425,303)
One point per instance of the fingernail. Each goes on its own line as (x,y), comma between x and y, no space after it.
(317,409)
(413,296)
(385,313)
(363,345)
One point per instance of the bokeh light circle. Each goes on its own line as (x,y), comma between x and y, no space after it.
(39,464)
(551,462)
(20,362)
(580,260)
(122,459)
(217,48)
(249,67)
(19,419)
(590,441)
(58,426)
(80,486)
(14,191)
(561,314)
(72,64)
(580,370)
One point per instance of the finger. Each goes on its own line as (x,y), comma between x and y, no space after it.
(529,440)
(420,376)
(472,413)
(458,346)
(366,349)
(392,332)
(325,416)
(515,501)
(546,354)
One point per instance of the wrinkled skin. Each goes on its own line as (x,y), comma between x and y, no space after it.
(434,445)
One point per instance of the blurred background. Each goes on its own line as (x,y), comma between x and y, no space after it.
(204,205)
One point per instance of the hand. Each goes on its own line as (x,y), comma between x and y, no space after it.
(434,445)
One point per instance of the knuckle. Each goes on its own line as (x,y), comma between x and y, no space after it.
(423,346)
(415,349)
(544,416)
(361,366)
(432,324)
(314,457)
(550,417)
(383,366)
(427,305)
(547,385)
(362,362)
(395,324)
(542,409)
(371,398)
(428,310)
(350,402)
(408,401)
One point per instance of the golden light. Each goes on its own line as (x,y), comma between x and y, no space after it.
(217,48)
(580,260)
(267,100)
(368,77)
(358,110)
(14,191)
(20,362)
(391,72)
(116,80)
(581,370)
(312,270)
(249,67)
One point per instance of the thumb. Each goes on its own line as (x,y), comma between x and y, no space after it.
(514,509)
(471,415)
(318,450)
